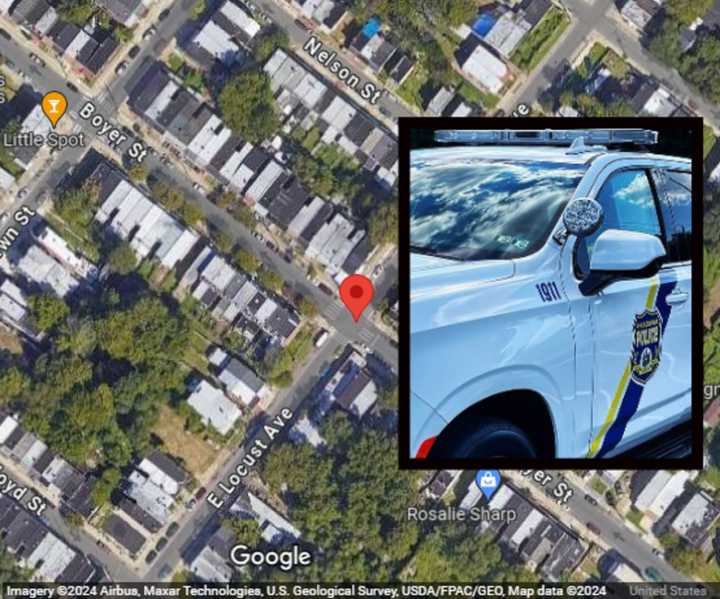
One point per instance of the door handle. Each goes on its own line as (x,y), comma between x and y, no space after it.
(679,297)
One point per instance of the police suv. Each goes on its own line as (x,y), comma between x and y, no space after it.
(550,293)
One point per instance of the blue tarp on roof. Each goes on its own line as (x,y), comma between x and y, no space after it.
(484,24)
(371,27)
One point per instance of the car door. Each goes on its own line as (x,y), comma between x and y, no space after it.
(631,380)
(674,188)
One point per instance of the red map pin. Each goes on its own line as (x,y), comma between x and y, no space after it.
(356,292)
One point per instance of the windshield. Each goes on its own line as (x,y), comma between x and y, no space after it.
(473,209)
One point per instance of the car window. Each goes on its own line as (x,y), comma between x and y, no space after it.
(676,202)
(472,208)
(629,205)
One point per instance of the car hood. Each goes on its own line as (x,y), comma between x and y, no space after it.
(431,276)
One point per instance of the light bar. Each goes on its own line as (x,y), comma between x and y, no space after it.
(544,137)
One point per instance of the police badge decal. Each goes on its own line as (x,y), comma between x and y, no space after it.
(646,349)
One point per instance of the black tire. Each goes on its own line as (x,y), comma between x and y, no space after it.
(492,438)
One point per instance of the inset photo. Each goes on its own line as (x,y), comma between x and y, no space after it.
(551,293)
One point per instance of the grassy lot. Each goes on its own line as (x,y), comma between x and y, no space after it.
(473,94)
(536,44)
(195,353)
(598,486)
(708,140)
(197,455)
(635,516)
(591,60)
(410,89)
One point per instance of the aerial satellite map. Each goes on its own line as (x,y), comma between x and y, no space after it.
(248,328)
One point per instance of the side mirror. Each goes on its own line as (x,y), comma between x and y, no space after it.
(622,255)
(625,251)
(582,217)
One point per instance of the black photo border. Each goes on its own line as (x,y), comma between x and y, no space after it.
(405,125)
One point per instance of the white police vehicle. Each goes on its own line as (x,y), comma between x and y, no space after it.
(550,294)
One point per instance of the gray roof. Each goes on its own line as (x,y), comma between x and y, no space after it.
(120,10)
(244,374)
(165,463)
(124,534)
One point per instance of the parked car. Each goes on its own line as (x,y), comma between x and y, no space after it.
(149,32)
(593,528)
(134,51)
(121,68)
(590,499)
(6,35)
(3,217)
(150,557)
(200,493)
(72,87)
(325,289)
(591,234)
(321,338)
(161,544)
(163,15)
(172,529)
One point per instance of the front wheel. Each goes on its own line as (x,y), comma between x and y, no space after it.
(492,438)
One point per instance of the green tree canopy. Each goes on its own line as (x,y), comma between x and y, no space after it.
(248,107)
(122,259)
(48,310)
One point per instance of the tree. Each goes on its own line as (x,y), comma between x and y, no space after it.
(307,308)
(76,335)
(104,487)
(145,332)
(245,530)
(191,213)
(226,199)
(282,380)
(389,398)
(48,310)
(270,279)
(137,172)
(198,9)
(122,34)
(74,520)
(77,12)
(383,225)
(13,384)
(246,261)
(686,12)
(454,12)
(122,259)
(77,206)
(10,570)
(248,107)
(222,240)
(270,41)
(244,215)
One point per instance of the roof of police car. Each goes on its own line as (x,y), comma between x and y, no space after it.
(534,152)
